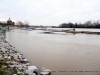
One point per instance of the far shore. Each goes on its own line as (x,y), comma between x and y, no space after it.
(74,30)
(86,32)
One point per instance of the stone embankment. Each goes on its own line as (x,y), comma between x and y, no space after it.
(12,62)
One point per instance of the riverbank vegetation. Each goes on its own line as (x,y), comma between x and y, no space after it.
(87,24)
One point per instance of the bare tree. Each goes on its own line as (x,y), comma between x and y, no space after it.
(26,23)
(22,24)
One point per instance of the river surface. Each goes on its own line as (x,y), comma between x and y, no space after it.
(63,53)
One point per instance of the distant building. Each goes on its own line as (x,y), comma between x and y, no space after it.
(8,22)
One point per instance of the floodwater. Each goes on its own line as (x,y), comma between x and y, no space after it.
(63,53)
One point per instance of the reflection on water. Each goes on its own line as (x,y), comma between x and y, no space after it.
(63,53)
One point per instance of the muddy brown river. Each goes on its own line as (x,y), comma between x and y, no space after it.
(63,53)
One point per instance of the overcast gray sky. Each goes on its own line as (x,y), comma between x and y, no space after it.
(50,12)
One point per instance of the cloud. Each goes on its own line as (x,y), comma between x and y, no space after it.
(50,12)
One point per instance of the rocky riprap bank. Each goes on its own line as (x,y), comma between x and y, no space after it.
(13,62)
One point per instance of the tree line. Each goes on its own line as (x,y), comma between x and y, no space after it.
(87,24)
(22,24)
(3,24)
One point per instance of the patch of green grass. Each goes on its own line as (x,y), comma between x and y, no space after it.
(2,71)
